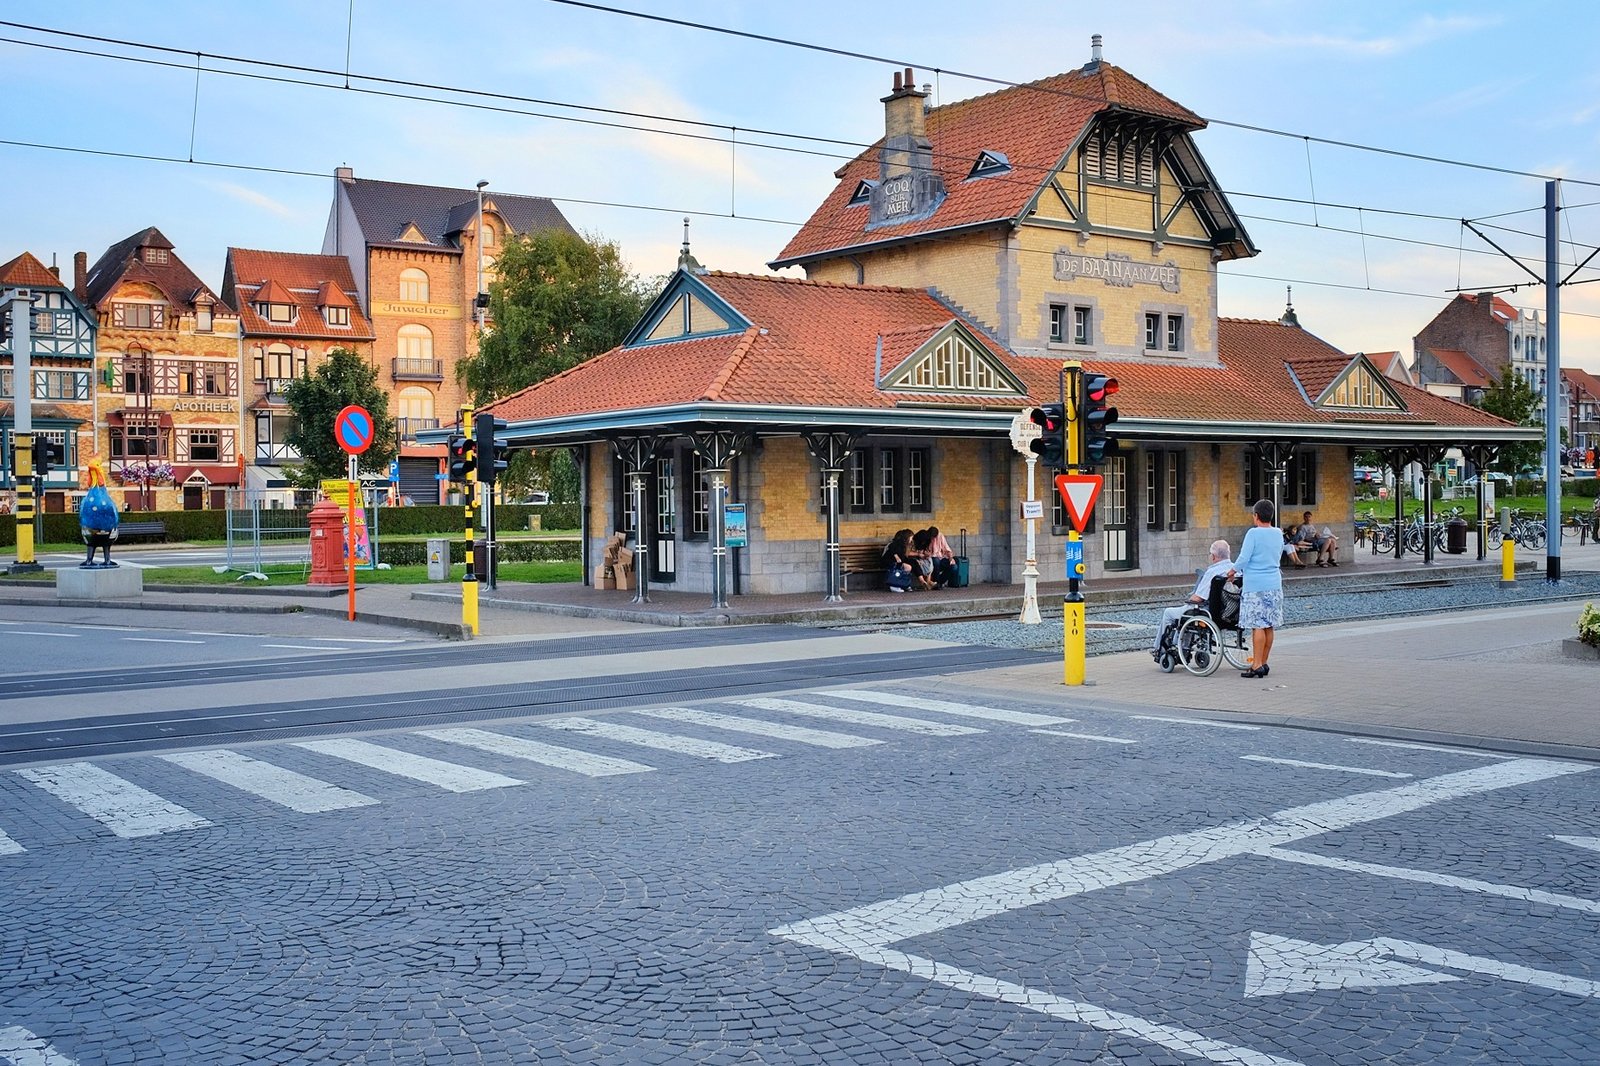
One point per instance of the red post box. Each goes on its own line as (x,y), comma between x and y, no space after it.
(327,544)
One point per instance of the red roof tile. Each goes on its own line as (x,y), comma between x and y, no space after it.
(26,272)
(815,344)
(1465,368)
(1033,125)
(309,281)
(1502,310)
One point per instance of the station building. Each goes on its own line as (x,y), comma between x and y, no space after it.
(955,267)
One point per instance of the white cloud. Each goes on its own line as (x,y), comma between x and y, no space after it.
(254,198)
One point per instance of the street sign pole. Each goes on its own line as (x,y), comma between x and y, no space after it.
(352,431)
(1024,431)
(469,583)
(1074,643)
(18,303)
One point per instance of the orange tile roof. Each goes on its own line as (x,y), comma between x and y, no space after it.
(815,344)
(26,272)
(1502,310)
(310,282)
(1582,380)
(1465,368)
(1033,125)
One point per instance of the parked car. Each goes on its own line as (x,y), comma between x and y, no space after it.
(1492,477)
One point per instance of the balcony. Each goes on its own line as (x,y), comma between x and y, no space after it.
(418,370)
(408,428)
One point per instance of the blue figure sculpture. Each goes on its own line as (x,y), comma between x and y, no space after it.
(97,516)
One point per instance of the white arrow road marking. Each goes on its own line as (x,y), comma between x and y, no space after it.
(9,846)
(866,931)
(21,1048)
(1592,843)
(1428,877)
(1195,721)
(1183,1041)
(1278,965)
(1324,766)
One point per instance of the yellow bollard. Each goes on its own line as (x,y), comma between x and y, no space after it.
(469,603)
(1508,561)
(1073,641)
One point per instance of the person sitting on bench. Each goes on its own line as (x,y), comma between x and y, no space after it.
(1324,543)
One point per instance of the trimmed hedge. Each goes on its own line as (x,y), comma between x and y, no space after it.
(392,521)
(415,553)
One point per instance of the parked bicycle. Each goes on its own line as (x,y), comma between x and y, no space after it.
(1527,530)
(1580,524)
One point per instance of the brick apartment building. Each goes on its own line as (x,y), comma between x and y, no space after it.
(171,419)
(293,309)
(419,261)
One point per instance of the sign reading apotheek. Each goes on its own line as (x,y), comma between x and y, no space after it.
(1118,270)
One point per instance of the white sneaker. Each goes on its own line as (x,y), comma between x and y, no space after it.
(896,590)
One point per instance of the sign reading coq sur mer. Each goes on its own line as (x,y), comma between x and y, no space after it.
(1118,270)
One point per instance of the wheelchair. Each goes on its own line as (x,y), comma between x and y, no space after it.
(1200,642)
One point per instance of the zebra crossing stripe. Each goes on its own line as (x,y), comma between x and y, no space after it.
(627,734)
(871,718)
(447,775)
(534,751)
(283,787)
(121,806)
(919,703)
(9,846)
(800,734)
(21,1048)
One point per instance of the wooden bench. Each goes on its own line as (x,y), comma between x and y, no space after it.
(141,529)
(863,557)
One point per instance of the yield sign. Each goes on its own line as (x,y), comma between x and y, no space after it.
(1078,493)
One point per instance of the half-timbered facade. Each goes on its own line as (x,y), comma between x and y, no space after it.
(61,394)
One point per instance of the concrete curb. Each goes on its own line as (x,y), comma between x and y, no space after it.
(448,630)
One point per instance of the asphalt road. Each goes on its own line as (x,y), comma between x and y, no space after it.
(760,852)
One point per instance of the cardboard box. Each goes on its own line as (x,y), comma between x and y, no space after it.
(603,578)
(623,577)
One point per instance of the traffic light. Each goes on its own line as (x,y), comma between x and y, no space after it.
(490,464)
(462,456)
(46,456)
(1051,444)
(1097,417)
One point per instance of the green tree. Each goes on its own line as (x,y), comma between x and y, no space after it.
(1514,400)
(558,298)
(316,399)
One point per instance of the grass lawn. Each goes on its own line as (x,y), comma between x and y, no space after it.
(287,577)
(1384,509)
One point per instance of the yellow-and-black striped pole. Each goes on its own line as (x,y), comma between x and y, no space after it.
(469,583)
(22,448)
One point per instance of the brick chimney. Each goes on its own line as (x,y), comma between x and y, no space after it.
(345,174)
(80,275)
(905,136)
(909,187)
(1486,303)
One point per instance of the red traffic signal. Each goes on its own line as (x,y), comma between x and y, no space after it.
(1051,444)
(1097,417)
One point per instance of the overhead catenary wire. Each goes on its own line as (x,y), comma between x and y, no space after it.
(732,140)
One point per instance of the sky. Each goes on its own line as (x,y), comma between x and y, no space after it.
(1318,114)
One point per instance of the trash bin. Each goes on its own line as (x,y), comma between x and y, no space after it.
(1455,536)
(480,559)
(438,560)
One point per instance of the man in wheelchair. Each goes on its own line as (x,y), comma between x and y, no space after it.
(1221,564)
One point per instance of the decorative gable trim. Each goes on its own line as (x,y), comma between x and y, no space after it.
(953,360)
(1360,387)
(686,308)
(412,235)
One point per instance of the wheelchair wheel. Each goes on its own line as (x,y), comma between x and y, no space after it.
(1235,647)
(1167,662)
(1197,645)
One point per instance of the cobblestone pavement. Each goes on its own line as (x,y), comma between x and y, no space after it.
(912,873)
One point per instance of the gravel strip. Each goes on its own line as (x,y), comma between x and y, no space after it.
(1133,625)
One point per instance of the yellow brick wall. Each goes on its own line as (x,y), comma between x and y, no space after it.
(963,269)
(789,504)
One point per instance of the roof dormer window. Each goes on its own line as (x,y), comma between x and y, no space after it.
(154,256)
(276,312)
(989,164)
(336,316)
(863,193)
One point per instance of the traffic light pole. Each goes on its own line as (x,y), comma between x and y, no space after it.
(1074,644)
(22,440)
(469,583)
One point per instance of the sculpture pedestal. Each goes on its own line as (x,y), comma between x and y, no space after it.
(93,586)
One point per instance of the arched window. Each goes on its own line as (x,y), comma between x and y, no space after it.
(415,342)
(488,235)
(413,286)
(414,402)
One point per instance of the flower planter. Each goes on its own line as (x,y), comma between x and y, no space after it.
(1577,649)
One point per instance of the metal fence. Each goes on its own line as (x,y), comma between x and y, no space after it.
(262,535)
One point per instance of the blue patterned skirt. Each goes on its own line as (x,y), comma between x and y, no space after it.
(1261,610)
